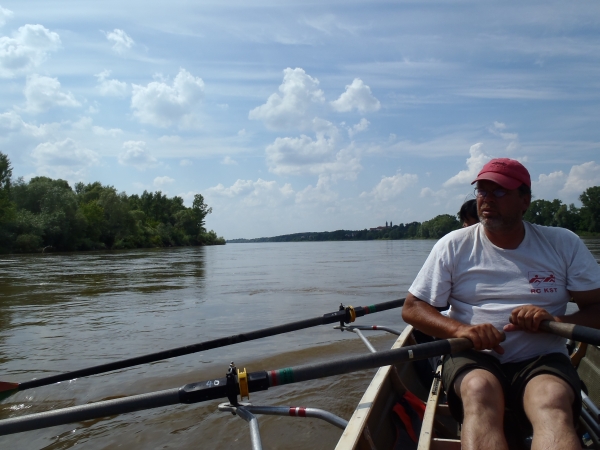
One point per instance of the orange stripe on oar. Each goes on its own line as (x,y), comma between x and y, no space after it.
(5,386)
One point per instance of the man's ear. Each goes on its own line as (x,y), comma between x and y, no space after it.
(526,202)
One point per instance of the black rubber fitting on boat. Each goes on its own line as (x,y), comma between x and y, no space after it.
(232,385)
(258,381)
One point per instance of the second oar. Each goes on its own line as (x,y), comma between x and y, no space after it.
(345,315)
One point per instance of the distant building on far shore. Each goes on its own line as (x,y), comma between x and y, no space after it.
(382,228)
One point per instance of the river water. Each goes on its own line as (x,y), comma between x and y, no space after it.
(63,312)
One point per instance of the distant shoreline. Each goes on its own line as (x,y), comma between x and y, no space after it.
(381,234)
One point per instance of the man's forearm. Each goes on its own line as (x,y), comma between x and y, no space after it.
(427,319)
(588,303)
(588,316)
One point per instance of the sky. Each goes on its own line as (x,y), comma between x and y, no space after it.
(295,116)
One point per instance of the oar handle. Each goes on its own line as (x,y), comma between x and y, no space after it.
(572,331)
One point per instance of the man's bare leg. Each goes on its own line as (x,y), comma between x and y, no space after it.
(548,401)
(483,404)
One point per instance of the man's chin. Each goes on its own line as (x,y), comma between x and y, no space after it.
(491,223)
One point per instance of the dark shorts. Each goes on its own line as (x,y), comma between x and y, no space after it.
(512,376)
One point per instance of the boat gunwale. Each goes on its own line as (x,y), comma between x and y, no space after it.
(356,425)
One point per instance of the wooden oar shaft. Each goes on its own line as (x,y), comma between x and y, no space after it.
(217,389)
(212,344)
(571,331)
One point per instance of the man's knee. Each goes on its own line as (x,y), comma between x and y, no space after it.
(481,387)
(547,392)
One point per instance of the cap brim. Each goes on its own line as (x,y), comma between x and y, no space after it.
(498,178)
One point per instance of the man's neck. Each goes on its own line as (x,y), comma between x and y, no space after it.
(508,239)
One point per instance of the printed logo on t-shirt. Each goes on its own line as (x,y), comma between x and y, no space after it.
(542,282)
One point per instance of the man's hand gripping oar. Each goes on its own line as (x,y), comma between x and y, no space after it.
(533,318)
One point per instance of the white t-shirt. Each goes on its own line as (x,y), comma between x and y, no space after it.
(484,283)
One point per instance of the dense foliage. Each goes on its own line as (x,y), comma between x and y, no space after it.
(582,220)
(556,214)
(48,214)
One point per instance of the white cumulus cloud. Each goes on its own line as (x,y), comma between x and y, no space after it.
(4,15)
(357,96)
(161,182)
(101,131)
(547,186)
(26,49)
(228,161)
(13,122)
(64,159)
(10,121)
(390,188)
(120,40)
(254,193)
(294,106)
(582,177)
(43,93)
(110,87)
(567,187)
(305,155)
(161,105)
(360,126)
(319,194)
(475,163)
(499,129)
(136,155)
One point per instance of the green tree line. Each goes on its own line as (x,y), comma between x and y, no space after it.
(44,213)
(584,221)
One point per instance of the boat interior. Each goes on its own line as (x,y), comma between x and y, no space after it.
(374,426)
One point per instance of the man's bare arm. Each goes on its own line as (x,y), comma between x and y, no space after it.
(589,309)
(429,320)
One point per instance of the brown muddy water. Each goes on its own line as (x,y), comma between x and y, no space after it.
(62,312)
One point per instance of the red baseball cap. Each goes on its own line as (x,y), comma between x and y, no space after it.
(508,173)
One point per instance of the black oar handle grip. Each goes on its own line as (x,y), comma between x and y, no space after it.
(459,344)
(572,331)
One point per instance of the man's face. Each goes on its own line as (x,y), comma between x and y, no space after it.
(500,213)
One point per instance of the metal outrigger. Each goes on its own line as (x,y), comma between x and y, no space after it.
(246,410)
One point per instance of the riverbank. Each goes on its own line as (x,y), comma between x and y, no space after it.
(412,231)
(212,239)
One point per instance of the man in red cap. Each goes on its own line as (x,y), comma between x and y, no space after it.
(501,278)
